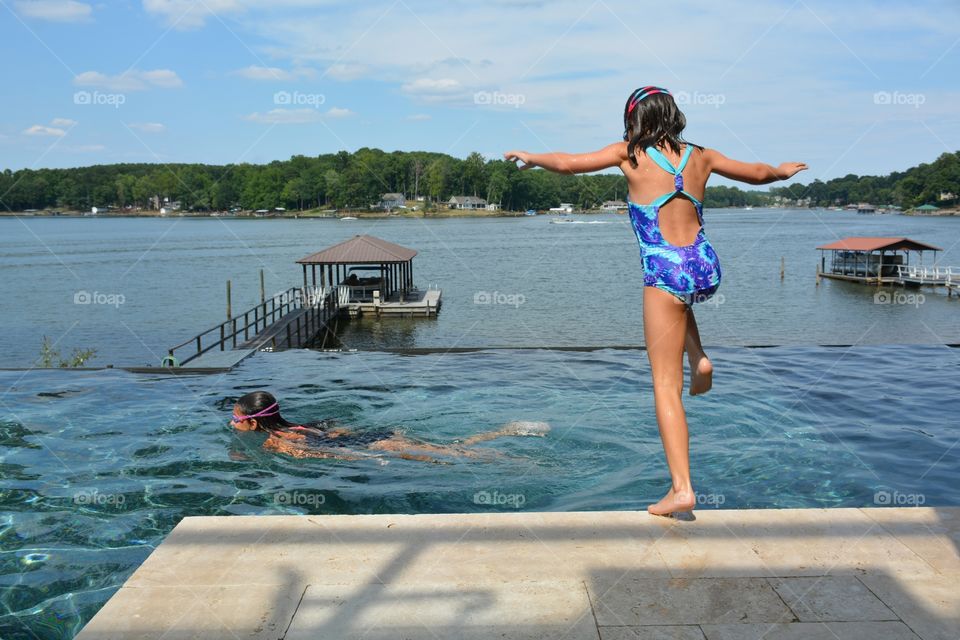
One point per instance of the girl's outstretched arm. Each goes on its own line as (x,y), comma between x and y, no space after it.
(750,172)
(610,156)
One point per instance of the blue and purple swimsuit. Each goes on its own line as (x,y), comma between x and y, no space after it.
(691,272)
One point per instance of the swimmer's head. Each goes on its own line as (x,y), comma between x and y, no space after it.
(651,116)
(257,410)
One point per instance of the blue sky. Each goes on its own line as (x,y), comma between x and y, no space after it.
(854,87)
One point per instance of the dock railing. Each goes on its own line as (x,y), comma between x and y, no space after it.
(929,275)
(244,326)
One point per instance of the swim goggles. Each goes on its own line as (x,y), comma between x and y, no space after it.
(272,410)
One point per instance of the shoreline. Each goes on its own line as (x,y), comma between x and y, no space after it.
(372,214)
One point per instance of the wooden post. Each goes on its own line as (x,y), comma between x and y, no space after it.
(263,288)
(229,308)
(782,266)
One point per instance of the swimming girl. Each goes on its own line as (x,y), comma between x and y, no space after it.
(260,411)
(680,267)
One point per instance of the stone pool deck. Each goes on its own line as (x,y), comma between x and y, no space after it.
(605,575)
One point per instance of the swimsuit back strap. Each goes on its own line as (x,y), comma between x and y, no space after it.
(664,199)
(661,160)
(695,201)
(683,160)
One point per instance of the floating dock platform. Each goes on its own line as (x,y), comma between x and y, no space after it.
(811,574)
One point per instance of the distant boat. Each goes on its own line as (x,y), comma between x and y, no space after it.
(348,218)
(530,212)
(748,208)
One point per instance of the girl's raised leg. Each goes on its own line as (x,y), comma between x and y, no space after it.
(665,334)
(701,369)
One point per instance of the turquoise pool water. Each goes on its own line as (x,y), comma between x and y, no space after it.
(98,466)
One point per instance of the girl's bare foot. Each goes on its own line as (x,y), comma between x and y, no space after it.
(673,502)
(701,375)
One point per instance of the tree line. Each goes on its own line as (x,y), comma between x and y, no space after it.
(357,180)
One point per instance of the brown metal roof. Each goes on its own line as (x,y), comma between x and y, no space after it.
(876,244)
(360,249)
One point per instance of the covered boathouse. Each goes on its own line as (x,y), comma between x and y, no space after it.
(372,275)
(872,260)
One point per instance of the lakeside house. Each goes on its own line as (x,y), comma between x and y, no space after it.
(613,205)
(565,207)
(392,201)
(466,202)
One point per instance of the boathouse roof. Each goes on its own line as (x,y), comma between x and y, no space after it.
(360,249)
(879,244)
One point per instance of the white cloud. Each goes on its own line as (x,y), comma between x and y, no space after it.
(429,85)
(41,130)
(55,10)
(132,80)
(56,129)
(254,72)
(297,116)
(148,127)
(346,71)
(192,14)
(435,90)
(189,14)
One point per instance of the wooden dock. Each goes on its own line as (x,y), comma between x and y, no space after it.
(816,574)
(878,261)
(308,316)
(413,303)
(296,318)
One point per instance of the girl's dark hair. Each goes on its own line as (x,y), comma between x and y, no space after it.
(257,401)
(654,119)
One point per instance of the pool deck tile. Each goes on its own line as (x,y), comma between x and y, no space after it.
(804,573)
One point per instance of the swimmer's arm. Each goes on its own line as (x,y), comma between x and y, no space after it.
(750,172)
(610,156)
(280,446)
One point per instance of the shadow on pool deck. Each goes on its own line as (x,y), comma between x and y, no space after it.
(808,573)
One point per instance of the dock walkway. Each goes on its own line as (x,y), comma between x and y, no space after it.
(608,575)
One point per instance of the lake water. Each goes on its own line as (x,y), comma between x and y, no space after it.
(98,466)
(557,284)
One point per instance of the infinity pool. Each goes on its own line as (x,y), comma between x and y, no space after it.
(97,467)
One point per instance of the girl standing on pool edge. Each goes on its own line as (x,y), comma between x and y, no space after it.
(680,266)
